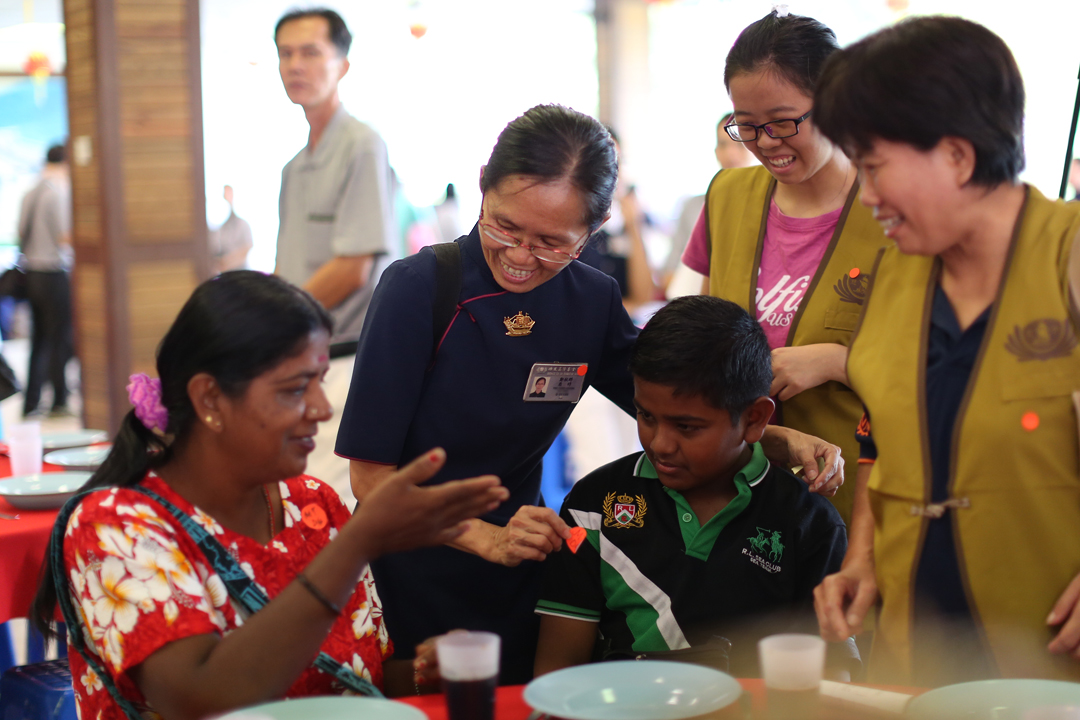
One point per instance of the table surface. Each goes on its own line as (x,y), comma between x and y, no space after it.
(22,550)
(510,705)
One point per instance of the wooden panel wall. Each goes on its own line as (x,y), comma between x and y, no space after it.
(139,201)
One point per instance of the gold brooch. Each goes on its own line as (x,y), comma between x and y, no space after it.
(518,325)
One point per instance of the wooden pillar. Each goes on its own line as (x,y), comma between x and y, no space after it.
(135,107)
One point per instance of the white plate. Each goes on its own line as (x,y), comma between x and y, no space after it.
(328,707)
(75,438)
(632,690)
(41,491)
(993,699)
(81,458)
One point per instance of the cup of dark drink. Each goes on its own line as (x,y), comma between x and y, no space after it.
(792,666)
(469,664)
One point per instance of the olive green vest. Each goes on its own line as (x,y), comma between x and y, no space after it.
(736,210)
(1014,485)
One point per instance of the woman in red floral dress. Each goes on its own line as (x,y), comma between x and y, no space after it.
(223,437)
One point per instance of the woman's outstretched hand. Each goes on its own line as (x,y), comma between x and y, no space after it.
(397,515)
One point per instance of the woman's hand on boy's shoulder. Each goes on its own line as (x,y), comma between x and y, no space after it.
(791,448)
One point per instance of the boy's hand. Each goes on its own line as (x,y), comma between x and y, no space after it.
(1066,613)
(788,448)
(842,600)
(532,534)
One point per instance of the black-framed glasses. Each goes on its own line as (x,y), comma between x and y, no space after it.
(748,132)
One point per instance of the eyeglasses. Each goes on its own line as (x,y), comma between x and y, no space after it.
(748,132)
(544,254)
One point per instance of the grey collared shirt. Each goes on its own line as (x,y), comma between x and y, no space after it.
(334,202)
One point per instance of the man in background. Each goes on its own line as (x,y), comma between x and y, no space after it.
(336,217)
(45,243)
(231,243)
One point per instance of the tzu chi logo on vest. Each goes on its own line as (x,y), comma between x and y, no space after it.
(624,511)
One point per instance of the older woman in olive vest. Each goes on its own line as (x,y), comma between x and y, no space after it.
(968,523)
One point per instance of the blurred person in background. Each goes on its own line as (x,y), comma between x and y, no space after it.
(45,243)
(618,248)
(968,519)
(729,154)
(231,243)
(786,239)
(447,215)
(337,229)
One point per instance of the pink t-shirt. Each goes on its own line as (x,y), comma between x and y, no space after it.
(790,256)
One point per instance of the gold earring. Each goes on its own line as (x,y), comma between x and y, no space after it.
(209,419)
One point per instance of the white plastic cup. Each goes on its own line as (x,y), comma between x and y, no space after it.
(469,665)
(792,666)
(24,448)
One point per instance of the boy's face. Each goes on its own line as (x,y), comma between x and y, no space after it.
(690,443)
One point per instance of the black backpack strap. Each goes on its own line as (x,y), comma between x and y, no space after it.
(444,304)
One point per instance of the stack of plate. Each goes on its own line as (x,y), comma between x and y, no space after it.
(79,458)
(41,491)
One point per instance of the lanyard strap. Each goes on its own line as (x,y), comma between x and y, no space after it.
(240,587)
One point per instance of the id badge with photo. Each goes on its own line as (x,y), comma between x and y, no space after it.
(555,382)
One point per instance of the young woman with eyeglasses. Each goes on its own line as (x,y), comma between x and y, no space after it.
(787,240)
(525,309)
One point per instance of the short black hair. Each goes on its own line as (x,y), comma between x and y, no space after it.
(707,347)
(56,154)
(550,142)
(793,46)
(339,33)
(924,79)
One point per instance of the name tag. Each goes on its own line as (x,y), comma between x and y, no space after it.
(555,382)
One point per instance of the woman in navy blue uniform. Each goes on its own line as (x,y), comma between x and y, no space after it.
(524,310)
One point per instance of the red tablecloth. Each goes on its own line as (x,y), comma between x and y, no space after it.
(510,705)
(22,551)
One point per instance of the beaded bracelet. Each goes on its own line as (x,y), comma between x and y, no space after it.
(317,594)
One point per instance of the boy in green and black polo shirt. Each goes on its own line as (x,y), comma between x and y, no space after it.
(699,537)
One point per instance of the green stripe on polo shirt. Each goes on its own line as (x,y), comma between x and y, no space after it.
(698,539)
(647,608)
(553,608)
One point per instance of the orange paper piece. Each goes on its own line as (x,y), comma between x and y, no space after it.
(314,516)
(577,536)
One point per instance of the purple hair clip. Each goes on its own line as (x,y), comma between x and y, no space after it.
(144,392)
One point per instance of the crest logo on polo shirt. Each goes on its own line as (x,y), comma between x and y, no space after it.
(624,511)
(1042,339)
(765,550)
